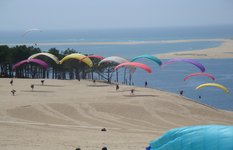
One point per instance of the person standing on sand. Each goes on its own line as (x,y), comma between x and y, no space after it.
(145,83)
(11,82)
(181,92)
(117,87)
(32,86)
(13,92)
(42,82)
(104,148)
(132,91)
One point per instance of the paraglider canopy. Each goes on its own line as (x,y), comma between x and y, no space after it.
(195,138)
(37,61)
(31,30)
(197,64)
(151,57)
(53,57)
(114,59)
(214,85)
(199,74)
(95,56)
(134,64)
(78,57)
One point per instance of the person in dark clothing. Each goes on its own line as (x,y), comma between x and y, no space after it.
(146,84)
(42,82)
(181,92)
(132,91)
(32,86)
(104,148)
(117,87)
(13,92)
(11,82)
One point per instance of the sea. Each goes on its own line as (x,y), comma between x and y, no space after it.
(168,78)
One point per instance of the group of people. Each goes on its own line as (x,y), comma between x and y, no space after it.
(13,91)
(181,92)
(131,91)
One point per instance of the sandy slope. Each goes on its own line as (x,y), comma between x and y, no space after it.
(69,114)
(225,50)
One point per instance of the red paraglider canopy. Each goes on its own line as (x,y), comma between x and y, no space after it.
(134,64)
(96,56)
(199,74)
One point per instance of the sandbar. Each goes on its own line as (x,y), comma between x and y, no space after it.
(224,51)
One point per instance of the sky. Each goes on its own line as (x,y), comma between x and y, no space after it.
(111,14)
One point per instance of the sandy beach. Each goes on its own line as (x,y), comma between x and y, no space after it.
(66,114)
(225,50)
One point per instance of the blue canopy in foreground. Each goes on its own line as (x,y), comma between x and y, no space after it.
(208,137)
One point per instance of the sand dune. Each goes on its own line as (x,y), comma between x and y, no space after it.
(65,114)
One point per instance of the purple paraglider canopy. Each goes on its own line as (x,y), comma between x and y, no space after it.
(37,61)
(197,64)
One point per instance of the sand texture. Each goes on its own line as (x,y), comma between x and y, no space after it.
(66,114)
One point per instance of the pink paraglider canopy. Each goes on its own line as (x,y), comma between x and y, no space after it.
(96,56)
(134,64)
(37,61)
(199,74)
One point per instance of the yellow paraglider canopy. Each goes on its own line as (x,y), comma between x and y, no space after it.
(53,57)
(78,56)
(213,84)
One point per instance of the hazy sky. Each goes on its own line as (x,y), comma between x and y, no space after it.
(91,14)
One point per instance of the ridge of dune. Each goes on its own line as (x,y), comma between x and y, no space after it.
(66,114)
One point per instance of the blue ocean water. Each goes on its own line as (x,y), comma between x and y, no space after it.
(117,35)
(169,78)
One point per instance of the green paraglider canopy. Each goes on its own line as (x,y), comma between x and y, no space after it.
(151,57)
(208,137)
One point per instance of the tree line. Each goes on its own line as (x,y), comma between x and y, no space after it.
(72,69)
